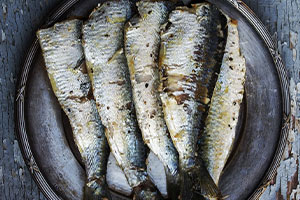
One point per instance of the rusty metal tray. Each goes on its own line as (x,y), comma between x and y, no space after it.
(46,142)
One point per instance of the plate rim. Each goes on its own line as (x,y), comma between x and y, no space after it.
(251,17)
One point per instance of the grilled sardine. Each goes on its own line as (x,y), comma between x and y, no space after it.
(217,140)
(190,48)
(107,67)
(63,55)
(142,43)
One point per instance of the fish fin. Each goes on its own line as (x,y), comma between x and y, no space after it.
(146,190)
(186,188)
(197,181)
(96,191)
(173,187)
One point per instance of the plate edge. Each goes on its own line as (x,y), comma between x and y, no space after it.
(256,24)
(285,92)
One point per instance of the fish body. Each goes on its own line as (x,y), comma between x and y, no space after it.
(217,140)
(107,67)
(64,59)
(142,43)
(190,48)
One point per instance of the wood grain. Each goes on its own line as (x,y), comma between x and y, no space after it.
(18,22)
(20,19)
(282,19)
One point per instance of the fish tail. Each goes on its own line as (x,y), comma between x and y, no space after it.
(94,190)
(196,183)
(173,187)
(145,191)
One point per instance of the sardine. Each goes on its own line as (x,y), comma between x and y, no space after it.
(221,122)
(64,59)
(142,43)
(107,67)
(190,48)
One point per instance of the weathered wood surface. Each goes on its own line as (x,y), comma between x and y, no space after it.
(282,18)
(20,19)
(18,23)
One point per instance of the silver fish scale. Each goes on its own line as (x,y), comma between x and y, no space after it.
(182,63)
(142,42)
(62,68)
(217,140)
(107,67)
(63,55)
(110,19)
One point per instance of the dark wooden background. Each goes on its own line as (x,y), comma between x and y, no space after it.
(19,20)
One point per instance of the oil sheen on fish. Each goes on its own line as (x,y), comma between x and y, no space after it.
(64,59)
(107,67)
(217,140)
(142,43)
(190,48)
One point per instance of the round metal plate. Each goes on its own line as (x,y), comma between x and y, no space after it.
(46,141)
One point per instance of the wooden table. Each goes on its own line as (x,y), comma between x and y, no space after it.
(20,19)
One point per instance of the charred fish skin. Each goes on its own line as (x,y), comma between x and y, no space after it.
(218,138)
(190,41)
(63,55)
(142,43)
(103,42)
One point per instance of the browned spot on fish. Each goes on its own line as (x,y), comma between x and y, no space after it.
(179,134)
(197,52)
(201,91)
(190,79)
(83,68)
(181,98)
(128,106)
(166,90)
(131,64)
(201,108)
(152,114)
(234,21)
(162,57)
(119,82)
(114,123)
(90,94)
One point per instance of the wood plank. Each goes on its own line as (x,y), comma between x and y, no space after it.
(282,19)
(18,22)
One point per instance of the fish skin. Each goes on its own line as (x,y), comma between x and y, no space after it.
(142,43)
(217,140)
(63,55)
(107,67)
(190,42)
